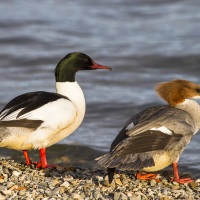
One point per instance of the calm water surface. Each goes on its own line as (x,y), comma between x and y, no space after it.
(145,42)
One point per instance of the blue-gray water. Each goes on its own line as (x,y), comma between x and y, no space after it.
(144,41)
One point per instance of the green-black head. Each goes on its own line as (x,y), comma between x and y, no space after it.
(73,62)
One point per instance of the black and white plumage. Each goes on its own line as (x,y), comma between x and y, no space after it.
(29,111)
(37,120)
(155,138)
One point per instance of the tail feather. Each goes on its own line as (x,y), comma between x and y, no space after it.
(125,162)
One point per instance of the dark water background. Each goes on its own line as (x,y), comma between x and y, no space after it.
(144,41)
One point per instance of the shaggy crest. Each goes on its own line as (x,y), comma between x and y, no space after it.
(176,91)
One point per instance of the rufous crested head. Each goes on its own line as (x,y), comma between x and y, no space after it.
(176,91)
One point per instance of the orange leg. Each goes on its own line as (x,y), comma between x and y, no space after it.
(43,161)
(146,176)
(176,175)
(28,161)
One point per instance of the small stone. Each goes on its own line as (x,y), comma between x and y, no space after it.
(56,191)
(75,182)
(129,194)
(194,185)
(175,187)
(2,197)
(116,176)
(51,186)
(60,169)
(55,182)
(2,187)
(48,193)
(65,184)
(7,192)
(135,189)
(97,195)
(175,183)
(99,178)
(117,196)
(21,188)
(22,192)
(164,191)
(165,182)
(14,187)
(165,197)
(16,173)
(151,193)
(68,178)
(62,190)
(41,173)
(54,174)
(2,180)
(125,181)
(153,182)
(77,196)
(21,178)
(118,181)
(120,196)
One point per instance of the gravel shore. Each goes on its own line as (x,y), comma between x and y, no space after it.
(18,181)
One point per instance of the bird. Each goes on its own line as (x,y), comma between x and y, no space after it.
(37,120)
(154,138)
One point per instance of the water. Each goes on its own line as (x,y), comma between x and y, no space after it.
(144,41)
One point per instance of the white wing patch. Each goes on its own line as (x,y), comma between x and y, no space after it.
(162,129)
(130,126)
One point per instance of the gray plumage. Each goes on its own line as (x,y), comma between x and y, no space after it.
(134,148)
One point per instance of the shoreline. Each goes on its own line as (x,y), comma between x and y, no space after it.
(18,181)
(82,179)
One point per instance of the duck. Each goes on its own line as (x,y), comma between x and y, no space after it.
(37,120)
(155,138)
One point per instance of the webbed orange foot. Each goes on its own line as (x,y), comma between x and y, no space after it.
(182,180)
(146,176)
(176,175)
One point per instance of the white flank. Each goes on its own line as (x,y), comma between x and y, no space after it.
(130,126)
(162,129)
(60,118)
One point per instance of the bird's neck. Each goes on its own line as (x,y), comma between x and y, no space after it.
(193,108)
(73,91)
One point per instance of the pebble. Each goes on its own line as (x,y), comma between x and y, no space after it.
(65,184)
(118,181)
(153,182)
(16,173)
(24,182)
(97,195)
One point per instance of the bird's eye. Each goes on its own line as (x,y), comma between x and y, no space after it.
(85,60)
(198,90)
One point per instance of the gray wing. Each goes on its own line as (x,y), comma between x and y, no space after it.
(176,120)
(132,148)
(24,123)
(139,118)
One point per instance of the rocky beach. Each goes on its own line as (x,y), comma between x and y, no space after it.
(82,179)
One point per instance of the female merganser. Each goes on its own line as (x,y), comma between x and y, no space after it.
(37,120)
(155,138)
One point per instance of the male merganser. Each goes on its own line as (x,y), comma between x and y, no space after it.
(155,138)
(37,120)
